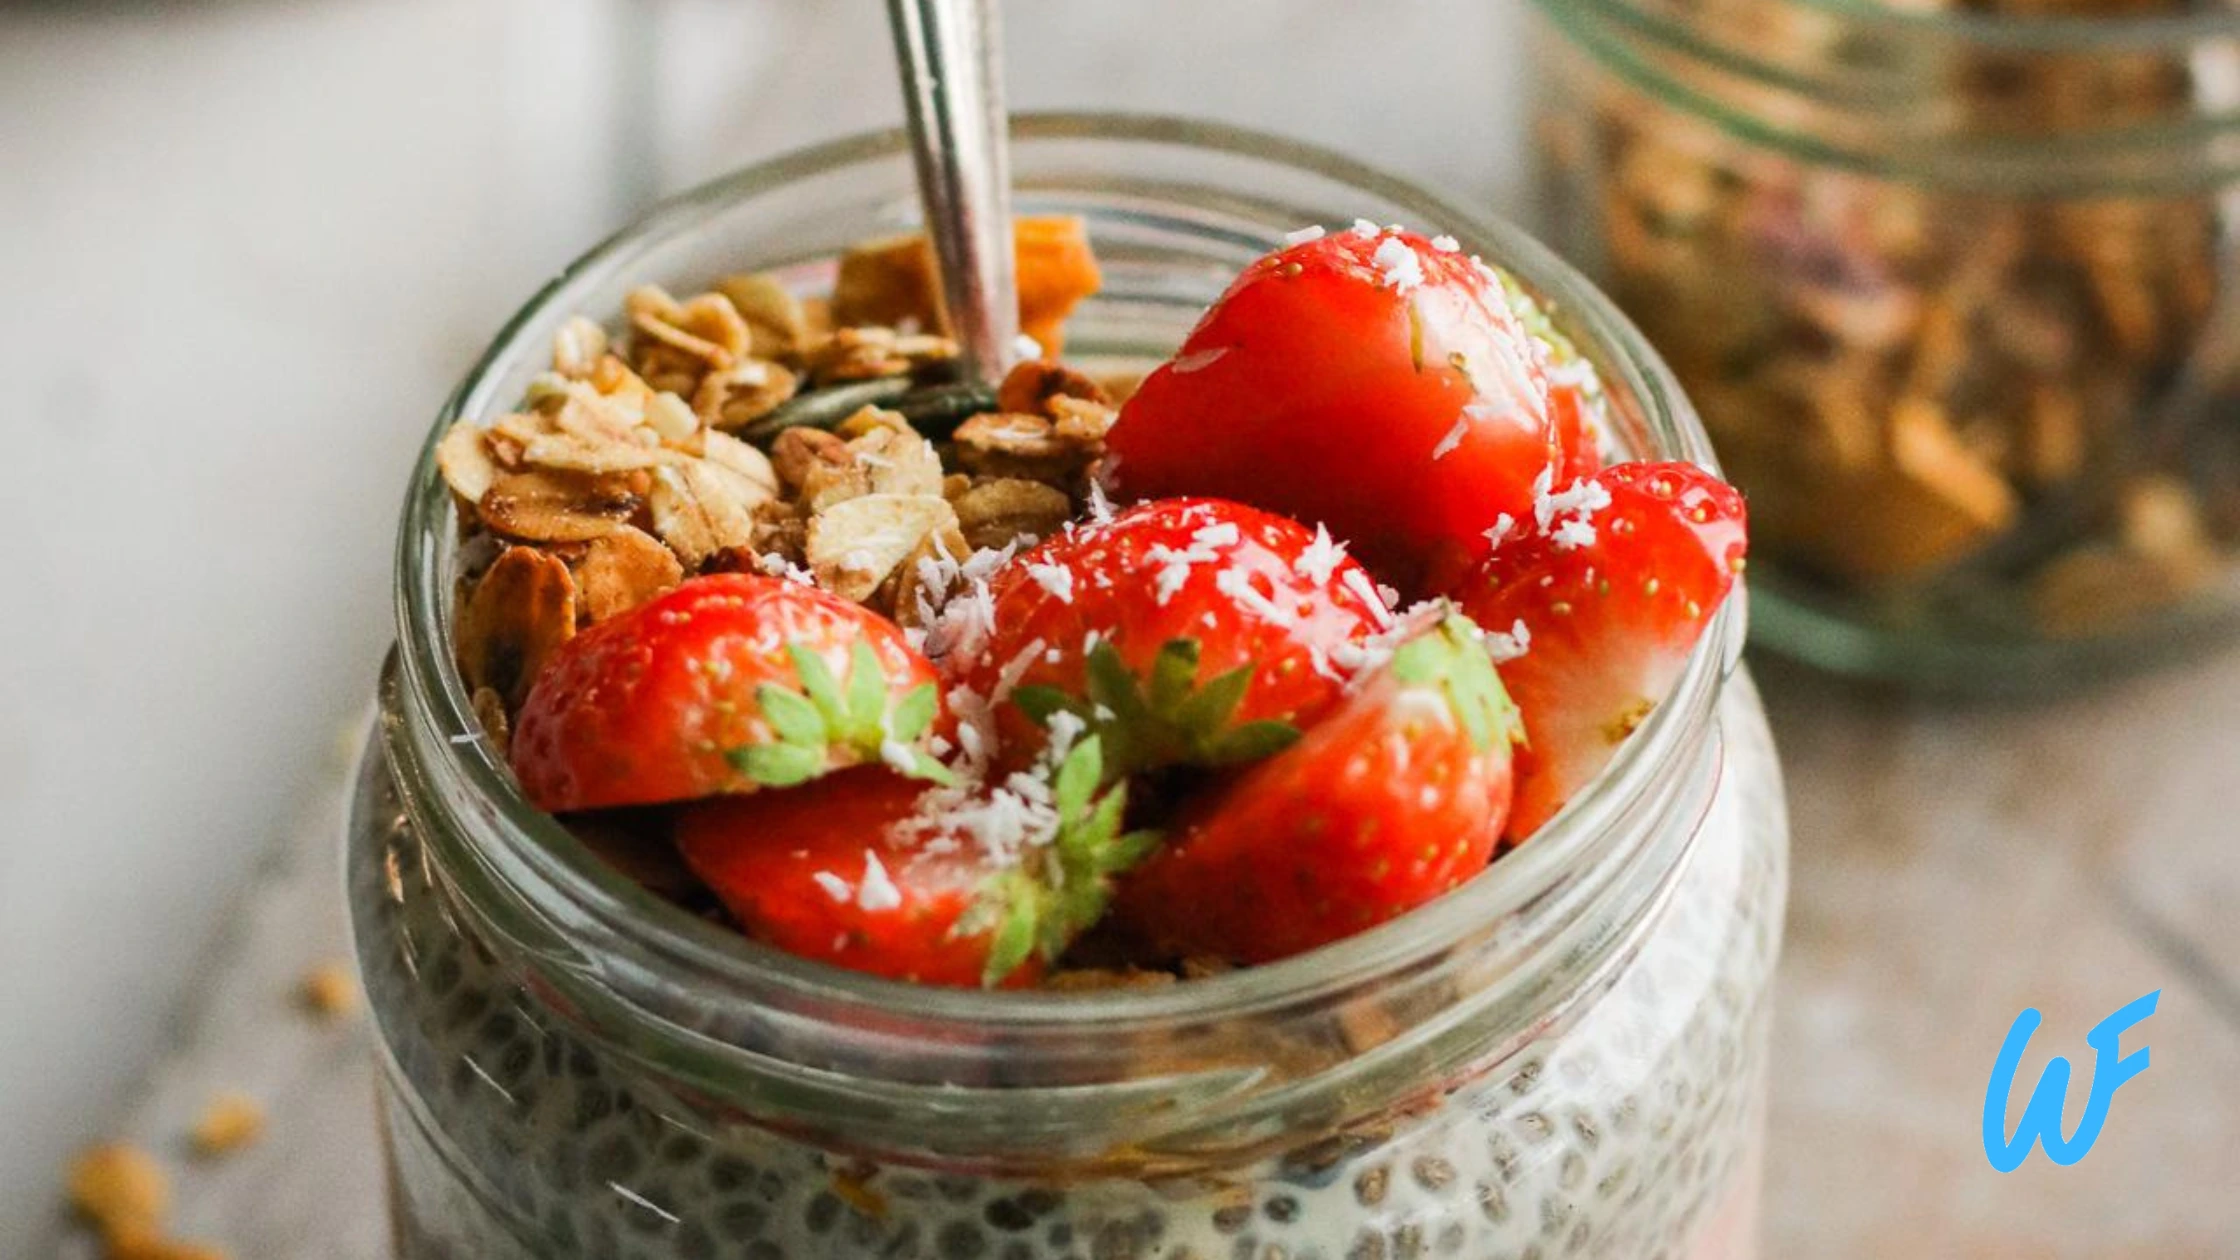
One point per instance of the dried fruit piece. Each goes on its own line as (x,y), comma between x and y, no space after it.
(892,281)
(521,611)
(121,1189)
(621,571)
(1056,270)
(229,1122)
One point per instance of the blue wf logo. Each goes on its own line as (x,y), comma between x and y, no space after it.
(2041,1120)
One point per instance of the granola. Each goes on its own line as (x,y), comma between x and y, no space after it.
(718,432)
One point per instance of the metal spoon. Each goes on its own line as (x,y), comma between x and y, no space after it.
(950,54)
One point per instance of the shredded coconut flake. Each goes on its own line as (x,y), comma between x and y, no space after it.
(878,891)
(1453,438)
(1237,586)
(1026,347)
(1362,227)
(1311,232)
(834,887)
(1573,533)
(1445,244)
(1503,526)
(1321,558)
(1510,646)
(1054,578)
(1402,269)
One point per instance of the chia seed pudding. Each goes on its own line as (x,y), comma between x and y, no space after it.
(1564,1055)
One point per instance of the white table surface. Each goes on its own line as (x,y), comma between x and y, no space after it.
(249,245)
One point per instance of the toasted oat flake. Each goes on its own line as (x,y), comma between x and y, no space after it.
(854,546)
(229,1122)
(463,457)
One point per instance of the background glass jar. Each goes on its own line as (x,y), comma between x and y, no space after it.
(1565,1057)
(1948,284)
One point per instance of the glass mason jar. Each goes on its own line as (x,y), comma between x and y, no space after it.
(1949,285)
(1565,1057)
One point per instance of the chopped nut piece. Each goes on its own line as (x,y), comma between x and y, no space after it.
(776,323)
(671,417)
(853,546)
(621,571)
(330,990)
(578,347)
(121,1189)
(797,452)
(521,611)
(230,1121)
(557,505)
(1029,387)
(995,513)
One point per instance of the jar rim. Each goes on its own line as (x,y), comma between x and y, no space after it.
(434,736)
(1891,93)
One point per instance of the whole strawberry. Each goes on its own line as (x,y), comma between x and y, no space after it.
(1612,582)
(1371,380)
(728,683)
(1394,798)
(1184,631)
(871,871)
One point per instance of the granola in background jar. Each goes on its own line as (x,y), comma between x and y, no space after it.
(1945,279)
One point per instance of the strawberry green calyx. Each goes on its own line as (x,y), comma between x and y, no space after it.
(1172,720)
(1063,889)
(1452,656)
(827,714)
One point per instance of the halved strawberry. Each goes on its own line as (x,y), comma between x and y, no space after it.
(1185,631)
(728,683)
(1613,581)
(1368,379)
(871,871)
(1394,798)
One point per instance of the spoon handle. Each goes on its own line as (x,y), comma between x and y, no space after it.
(952,85)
